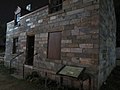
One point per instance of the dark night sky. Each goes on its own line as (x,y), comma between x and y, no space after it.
(7,7)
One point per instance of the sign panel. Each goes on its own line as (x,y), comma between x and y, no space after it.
(71,71)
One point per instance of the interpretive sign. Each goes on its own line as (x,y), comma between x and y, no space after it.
(71,71)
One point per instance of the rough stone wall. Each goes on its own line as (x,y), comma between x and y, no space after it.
(107,56)
(79,21)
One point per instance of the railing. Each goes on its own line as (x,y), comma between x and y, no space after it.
(14,59)
(25,63)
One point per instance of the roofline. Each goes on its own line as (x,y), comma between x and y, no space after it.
(34,11)
(30,13)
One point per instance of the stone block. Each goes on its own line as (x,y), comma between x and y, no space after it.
(70,55)
(43,35)
(75,11)
(27,20)
(83,36)
(90,50)
(32,26)
(73,45)
(86,45)
(87,1)
(53,17)
(29,24)
(69,27)
(66,41)
(76,50)
(40,21)
(75,1)
(75,60)
(75,32)
(85,61)
(65,50)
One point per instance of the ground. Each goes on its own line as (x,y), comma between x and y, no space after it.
(8,82)
(113,81)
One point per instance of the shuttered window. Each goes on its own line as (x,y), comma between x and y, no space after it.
(54,45)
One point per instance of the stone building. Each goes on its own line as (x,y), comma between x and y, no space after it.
(66,32)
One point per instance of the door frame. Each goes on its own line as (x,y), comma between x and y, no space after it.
(30,52)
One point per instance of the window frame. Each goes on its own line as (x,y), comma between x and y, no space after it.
(17,19)
(58,6)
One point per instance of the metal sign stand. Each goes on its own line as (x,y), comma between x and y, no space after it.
(74,72)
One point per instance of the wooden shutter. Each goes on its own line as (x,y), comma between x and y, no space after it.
(54,45)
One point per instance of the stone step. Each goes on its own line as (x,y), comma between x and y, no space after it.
(17,76)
